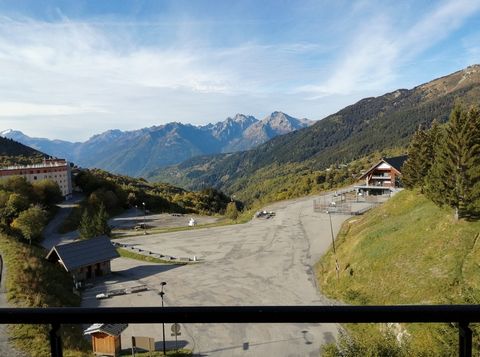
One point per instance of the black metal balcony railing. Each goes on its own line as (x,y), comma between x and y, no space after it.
(463,315)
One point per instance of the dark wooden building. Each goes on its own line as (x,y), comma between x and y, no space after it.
(85,259)
(106,338)
(384,176)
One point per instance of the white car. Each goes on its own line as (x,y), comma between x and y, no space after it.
(192,222)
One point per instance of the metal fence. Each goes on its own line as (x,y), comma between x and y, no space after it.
(462,315)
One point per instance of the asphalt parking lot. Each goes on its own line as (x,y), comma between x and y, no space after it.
(134,217)
(263,262)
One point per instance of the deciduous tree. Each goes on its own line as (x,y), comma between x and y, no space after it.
(31,222)
(232,211)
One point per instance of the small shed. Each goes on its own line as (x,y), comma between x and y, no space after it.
(85,259)
(106,338)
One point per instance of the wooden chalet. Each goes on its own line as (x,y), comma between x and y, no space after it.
(383,177)
(85,259)
(106,338)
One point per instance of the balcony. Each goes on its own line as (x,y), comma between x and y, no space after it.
(462,315)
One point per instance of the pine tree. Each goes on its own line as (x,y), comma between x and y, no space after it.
(421,155)
(454,179)
(94,225)
(86,228)
(101,221)
(414,169)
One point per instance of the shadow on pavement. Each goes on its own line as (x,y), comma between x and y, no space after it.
(245,346)
(170,344)
(143,271)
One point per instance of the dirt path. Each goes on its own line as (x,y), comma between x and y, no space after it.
(50,233)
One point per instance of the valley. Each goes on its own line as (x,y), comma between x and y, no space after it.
(270,259)
(178,169)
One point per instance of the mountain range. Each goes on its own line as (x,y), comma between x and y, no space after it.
(368,126)
(137,152)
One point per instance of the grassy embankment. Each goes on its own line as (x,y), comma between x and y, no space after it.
(33,282)
(407,251)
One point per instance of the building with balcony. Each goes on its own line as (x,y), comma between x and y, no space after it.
(383,177)
(57,170)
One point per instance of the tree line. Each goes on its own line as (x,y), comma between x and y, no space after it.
(108,194)
(444,162)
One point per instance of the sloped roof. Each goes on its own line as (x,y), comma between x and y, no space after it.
(396,162)
(84,252)
(109,329)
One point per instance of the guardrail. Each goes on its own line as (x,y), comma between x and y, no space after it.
(463,315)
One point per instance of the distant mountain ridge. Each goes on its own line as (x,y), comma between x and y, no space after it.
(140,151)
(372,124)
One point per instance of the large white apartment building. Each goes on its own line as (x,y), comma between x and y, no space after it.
(57,170)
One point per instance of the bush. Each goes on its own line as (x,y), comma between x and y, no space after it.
(31,223)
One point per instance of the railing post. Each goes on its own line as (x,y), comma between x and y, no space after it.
(56,341)
(464,340)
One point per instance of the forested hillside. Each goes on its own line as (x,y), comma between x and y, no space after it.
(373,124)
(12,152)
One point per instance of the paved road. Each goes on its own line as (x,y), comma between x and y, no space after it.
(263,262)
(50,233)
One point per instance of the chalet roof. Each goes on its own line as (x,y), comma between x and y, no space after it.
(109,329)
(396,162)
(83,252)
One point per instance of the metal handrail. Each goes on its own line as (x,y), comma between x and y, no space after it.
(461,314)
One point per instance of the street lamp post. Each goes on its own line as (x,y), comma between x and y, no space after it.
(144,214)
(163,283)
(136,215)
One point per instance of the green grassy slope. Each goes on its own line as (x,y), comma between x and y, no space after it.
(31,281)
(407,251)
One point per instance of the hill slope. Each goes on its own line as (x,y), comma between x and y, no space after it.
(372,124)
(12,152)
(407,251)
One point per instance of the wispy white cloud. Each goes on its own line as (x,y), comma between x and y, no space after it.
(88,75)
(374,53)
(19,109)
(85,72)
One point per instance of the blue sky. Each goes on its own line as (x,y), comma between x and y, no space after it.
(70,69)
